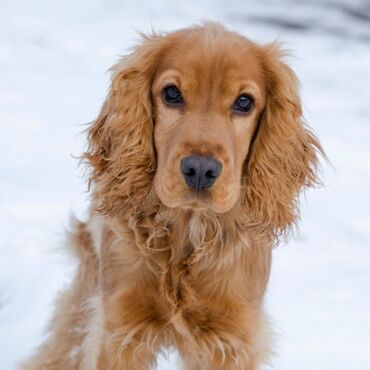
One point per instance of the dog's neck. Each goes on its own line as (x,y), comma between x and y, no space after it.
(179,245)
(158,227)
(188,233)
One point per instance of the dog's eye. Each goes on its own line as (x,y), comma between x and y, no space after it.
(243,104)
(172,95)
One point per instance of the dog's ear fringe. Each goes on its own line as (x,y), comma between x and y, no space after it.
(284,157)
(120,158)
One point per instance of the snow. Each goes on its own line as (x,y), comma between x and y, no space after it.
(53,59)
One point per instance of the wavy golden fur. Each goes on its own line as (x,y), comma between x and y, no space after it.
(162,265)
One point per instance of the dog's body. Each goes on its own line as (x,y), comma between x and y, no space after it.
(197,159)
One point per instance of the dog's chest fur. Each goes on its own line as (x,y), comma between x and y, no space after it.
(178,277)
(178,260)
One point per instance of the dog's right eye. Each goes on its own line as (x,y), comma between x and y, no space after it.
(243,104)
(172,95)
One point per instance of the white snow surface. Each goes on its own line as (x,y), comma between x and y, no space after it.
(53,58)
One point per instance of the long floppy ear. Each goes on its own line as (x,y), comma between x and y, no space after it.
(284,155)
(120,155)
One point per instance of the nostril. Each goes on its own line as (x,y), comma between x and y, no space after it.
(189,172)
(210,174)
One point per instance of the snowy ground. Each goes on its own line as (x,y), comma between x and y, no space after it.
(53,58)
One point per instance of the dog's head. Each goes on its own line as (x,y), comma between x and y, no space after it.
(204,119)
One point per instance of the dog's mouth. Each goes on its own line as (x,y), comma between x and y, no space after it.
(205,200)
(194,199)
(198,199)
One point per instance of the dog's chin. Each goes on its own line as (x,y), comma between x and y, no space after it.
(198,201)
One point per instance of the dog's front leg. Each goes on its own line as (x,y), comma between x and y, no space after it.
(236,360)
(123,352)
(237,344)
(133,335)
(130,358)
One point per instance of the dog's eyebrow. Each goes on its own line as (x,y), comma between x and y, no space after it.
(250,87)
(168,76)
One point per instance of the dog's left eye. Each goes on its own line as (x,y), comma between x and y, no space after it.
(243,104)
(172,95)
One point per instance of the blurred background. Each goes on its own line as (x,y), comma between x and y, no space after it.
(53,62)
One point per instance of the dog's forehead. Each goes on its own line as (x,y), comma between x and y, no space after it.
(208,60)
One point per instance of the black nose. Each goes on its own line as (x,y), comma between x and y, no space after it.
(200,172)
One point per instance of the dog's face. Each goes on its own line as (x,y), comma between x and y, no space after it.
(202,118)
(208,101)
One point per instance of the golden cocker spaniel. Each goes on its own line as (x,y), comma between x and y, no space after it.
(196,162)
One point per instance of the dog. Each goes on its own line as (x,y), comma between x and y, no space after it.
(196,162)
